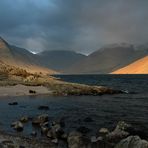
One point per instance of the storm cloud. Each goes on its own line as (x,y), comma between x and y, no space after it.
(79,25)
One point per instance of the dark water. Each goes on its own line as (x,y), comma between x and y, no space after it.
(105,110)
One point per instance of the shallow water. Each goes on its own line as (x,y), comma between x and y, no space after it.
(105,110)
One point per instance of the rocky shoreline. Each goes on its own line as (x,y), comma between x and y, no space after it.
(53,136)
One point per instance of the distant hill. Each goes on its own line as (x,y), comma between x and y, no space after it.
(108,59)
(138,67)
(20,57)
(59,60)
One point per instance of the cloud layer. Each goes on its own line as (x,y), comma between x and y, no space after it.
(80,25)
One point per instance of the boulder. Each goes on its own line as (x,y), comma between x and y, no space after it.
(55,132)
(78,140)
(119,132)
(40,119)
(17,126)
(132,142)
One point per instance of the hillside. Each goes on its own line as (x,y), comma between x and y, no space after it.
(20,57)
(138,67)
(108,59)
(59,60)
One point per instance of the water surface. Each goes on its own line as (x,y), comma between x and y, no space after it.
(105,110)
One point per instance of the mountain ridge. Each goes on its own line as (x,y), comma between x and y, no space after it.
(20,57)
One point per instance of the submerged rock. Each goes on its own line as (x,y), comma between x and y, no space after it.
(42,107)
(132,142)
(13,103)
(83,129)
(88,119)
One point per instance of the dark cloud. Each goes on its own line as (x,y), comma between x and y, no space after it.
(80,25)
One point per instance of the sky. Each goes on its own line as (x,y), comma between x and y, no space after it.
(79,25)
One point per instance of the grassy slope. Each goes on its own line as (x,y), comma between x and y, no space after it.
(138,67)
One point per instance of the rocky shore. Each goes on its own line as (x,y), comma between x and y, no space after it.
(53,136)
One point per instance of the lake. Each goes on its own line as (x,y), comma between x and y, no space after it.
(105,110)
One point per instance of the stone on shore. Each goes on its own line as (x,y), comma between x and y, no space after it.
(77,140)
(132,142)
(119,132)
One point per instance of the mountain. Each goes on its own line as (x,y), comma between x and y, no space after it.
(59,60)
(20,57)
(138,67)
(108,59)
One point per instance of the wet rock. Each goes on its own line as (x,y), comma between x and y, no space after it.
(60,121)
(55,132)
(119,133)
(55,141)
(21,146)
(64,136)
(103,132)
(122,126)
(32,91)
(40,119)
(83,129)
(116,136)
(42,107)
(24,119)
(34,133)
(132,142)
(95,139)
(88,119)
(17,126)
(46,124)
(102,144)
(7,144)
(13,103)
(77,140)
(50,134)
(44,130)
